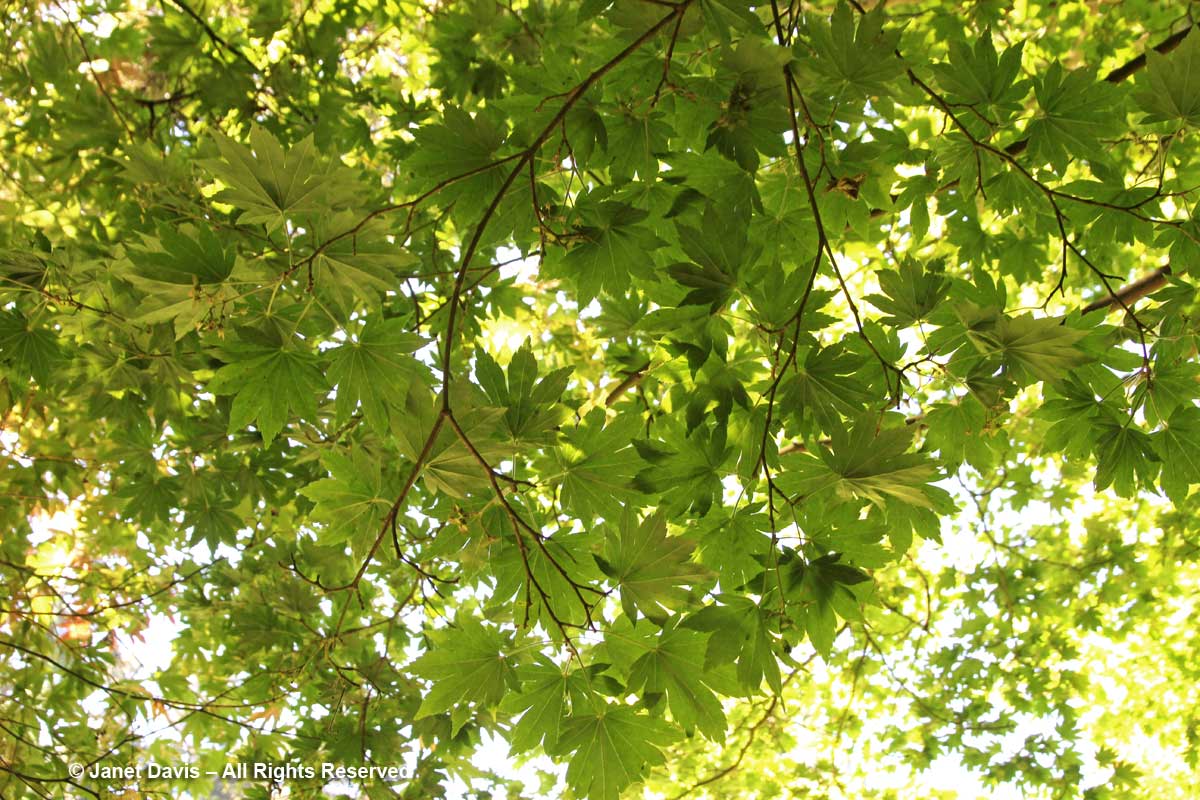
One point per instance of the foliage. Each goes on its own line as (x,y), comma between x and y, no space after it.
(696,393)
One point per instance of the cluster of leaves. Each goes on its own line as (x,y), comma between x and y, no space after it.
(780,274)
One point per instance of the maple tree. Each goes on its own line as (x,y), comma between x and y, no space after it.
(694,396)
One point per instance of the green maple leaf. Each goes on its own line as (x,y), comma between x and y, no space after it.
(545,579)
(351,503)
(776,295)
(718,387)
(598,465)
(826,576)
(450,467)
(1169,87)
(32,350)
(1125,457)
(612,243)
(182,272)
(460,144)
(734,545)
(956,431)
(755,114)
(826,386)
(708,286)
(185,255)
(272,185)
(541,704)
(466,666)
(373,371)
(671,666)
(213,523)
(820,623)
(859,543)
(586,131)
(528,400)
(1178,445)
(911,293)
(980,77)
(355,263)
(868,464)
(722,15)
(742,632)
(954,155)
(734,138)
(654,572)
(1040,346)
(611,749)
(1185,247)
(635,142)
(719,249)
(688,477)
(269,384)
(153,497)
(256,629)
(1074,415)
(823,590)
(1077,111)
(1166,388)
(858,57)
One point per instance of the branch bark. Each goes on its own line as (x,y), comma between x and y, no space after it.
(1127,295)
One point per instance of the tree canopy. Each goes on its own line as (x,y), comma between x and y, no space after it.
(693,397)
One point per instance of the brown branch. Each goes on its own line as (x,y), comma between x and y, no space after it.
(1052,197)
(1128,295)
(666,72)
(794,95)
(632,380)
(411,205)
(1162,48)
